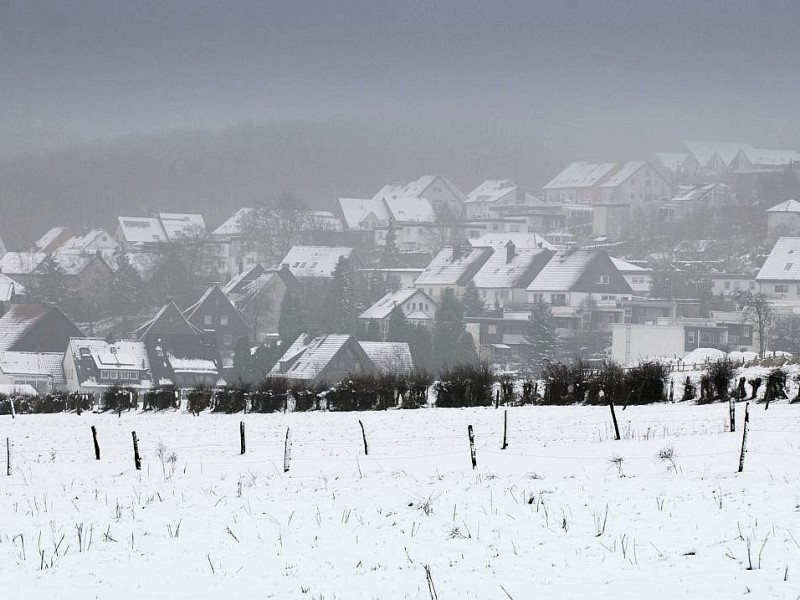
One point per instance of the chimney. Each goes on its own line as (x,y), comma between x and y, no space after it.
(511,251)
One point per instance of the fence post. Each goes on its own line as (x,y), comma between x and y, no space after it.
(8,457)
(505,430)
(137,460)
(496,399)
(732,411)
(96,445)
(241,437)
(287,451)
(614,419)
(471,435)
(744,436)
(364,437)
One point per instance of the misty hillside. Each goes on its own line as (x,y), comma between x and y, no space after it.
(215,172)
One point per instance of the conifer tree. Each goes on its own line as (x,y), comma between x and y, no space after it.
(541,336)
(126,295)
(49,282)
(344,305)
(397,331)
(291,321)
(241,360)
(473,305)
(373,333)
(449,327)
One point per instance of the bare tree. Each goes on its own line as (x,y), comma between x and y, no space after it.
(756,309)
(273,227)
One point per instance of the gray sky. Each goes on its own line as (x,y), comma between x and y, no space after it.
(628,74)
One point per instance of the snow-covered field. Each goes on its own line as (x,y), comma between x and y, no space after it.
(552,516)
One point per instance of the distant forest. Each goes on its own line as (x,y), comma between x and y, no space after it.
(216,172)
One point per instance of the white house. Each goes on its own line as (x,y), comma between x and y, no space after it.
(41,370)
(504,278)
(639,278)
(315,262)
(779,277)
(494,194)
(417,306)
(452,268)
(94,365)
(578,183)
(784,218)
(443,195)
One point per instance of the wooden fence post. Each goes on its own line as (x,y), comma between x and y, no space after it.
(241,437)
(744,436)
(732,411)
(96,445)
(287,451)
(505,430)
(137,460)
(614,419)
(364,437)
(471,435)
(496,399)
(8,457)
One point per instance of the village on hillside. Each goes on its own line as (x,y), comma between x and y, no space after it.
(649,259)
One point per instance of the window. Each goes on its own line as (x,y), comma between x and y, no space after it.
(727,285)
(706,338)
(123,374)
(133,375)
(112,374)
(781,289)
(227,340)
(690,337)
(104,375)
(603,280)
(207,320)
(491,329)
(223,320)
(558,299)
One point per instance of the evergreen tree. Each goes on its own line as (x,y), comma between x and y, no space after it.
(473,305)
(397,330)
(126,295)
(241,360)
(464,351)
(389,256)
(420,344)
(49,282)
(373,333)
(344,305)
(262,359)
(449,327)
(541,337)
(291,321)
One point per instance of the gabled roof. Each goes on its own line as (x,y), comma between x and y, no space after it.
(233,225)
(790,206)
(179,225)
(566,270)
(783,263)
(308,357)
(214,294)
(21,263)
(416,188)
(356,210)
(48,364)
(409,209)
(53,239)
(625,172)
(672,161)
(703,152)
(240,281)
(769,157)
(109,356)
(499,272)
(169,319)
(491,191)
(625,267)
(84,243)
(454,266)
(384,306)
(314,261)
(691,193)
(522,239)
(389,357)
(75,264)
(137,230)
(580,174)
(20,319)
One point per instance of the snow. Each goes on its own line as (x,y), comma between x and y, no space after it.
(700,356)
(527,523)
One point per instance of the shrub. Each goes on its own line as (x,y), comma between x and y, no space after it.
(564,384)
(646,382)
(229,400)
(387,386)
(720,374)
(507,388)
(161,398)
(610,380)
(418,384)
(465,385)
(51,403)
(22,404)
(529,391)
(118,398)
(270,395)
(199,399)
(689,390)
(356,392)
(776,384)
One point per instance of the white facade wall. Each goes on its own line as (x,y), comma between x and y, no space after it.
(630,343)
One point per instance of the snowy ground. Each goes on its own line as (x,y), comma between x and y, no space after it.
(549,517)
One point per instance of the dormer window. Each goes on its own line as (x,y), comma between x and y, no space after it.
(604,280)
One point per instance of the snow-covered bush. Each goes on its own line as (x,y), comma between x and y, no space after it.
(646,382)
(199,399)
(720,374)
(161,398)
(465,385)
(229,400)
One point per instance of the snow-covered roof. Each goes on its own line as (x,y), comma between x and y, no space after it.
(74,264)
(119,354)
(783,263)
(564,271)
(307,358)
(416,188)
(21,263)
(191,365)
(769,157)
(409,209)
(384,306)
(580,174)
(233,225)
(454,266)
(41,364)
(138,230)
(20,318)
(672,161)
(692,193)
(9,288)
(521,240)
(314,261)
(389,357)
(625,172)
(180,225)
(89,242)
(52,239)
(625,267)
(790,206)
(356,210)
(499,272)
(491,191)
(704,151)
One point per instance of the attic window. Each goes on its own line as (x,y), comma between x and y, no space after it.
(604,280)
(788,266)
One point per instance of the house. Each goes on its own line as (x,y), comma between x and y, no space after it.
(784,218)
(632,182)
(639,278)
(322,359)
(523,240)
(688,198)
(779,277)
(579,182)
(676,164)
(498,194)
(215,314)
(315,262)
(9,291)
(95,241)
(53,239)
(389,357)
(139,231)
(412,219)
(760,159)
(181,226)
(396,277)
(36,328)
(582,287)
(714,158)
(417,306)
(730,284)
(505,276)
(41,370)
(364,213)
(21,266)
(258,293)
(178,352)
(92,365)
(87,274)
(453,267)
(443,195)
(499,333)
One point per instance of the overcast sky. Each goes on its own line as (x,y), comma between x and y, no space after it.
(660,70)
